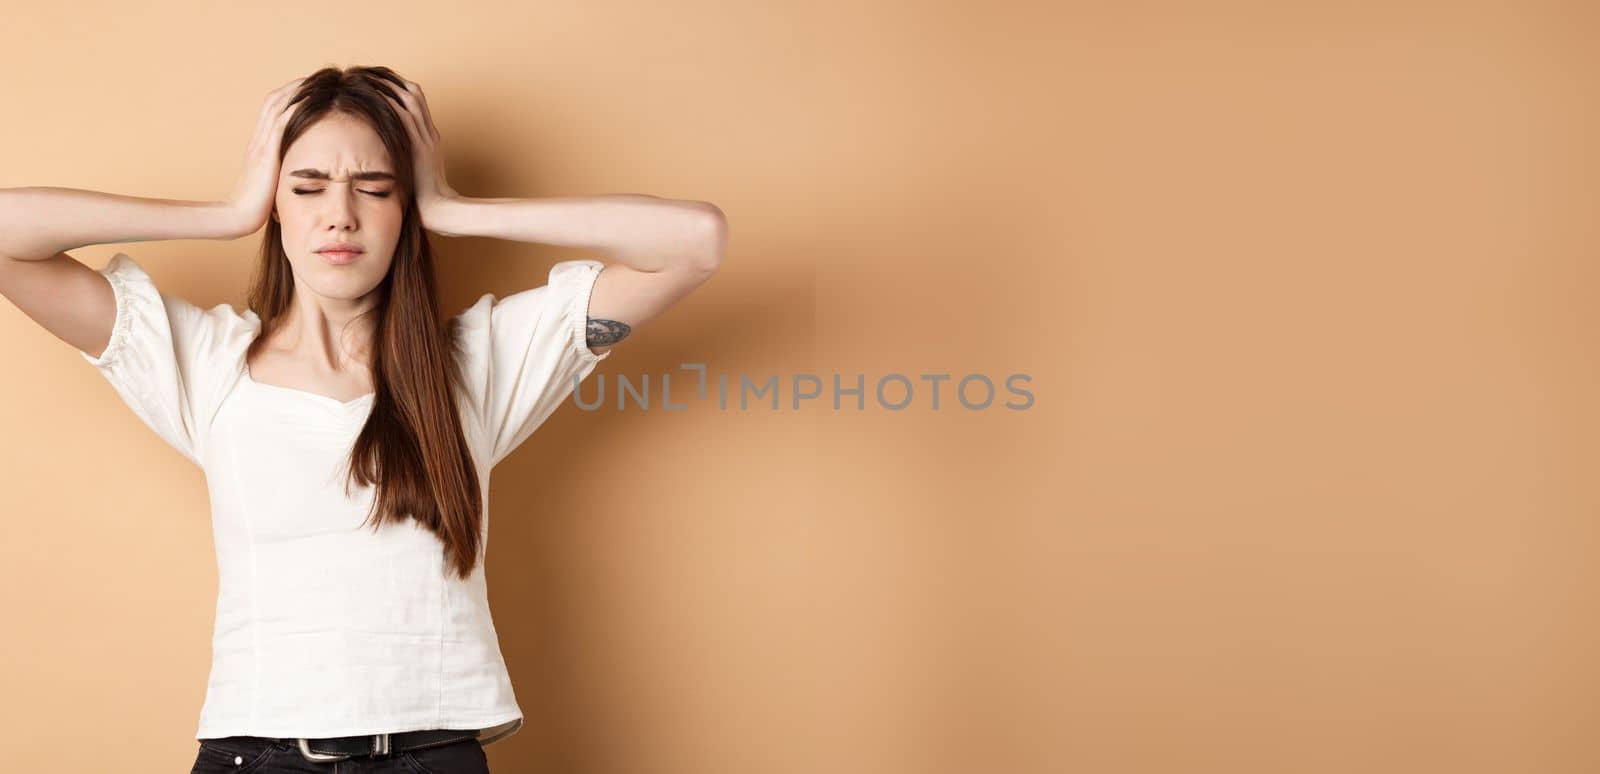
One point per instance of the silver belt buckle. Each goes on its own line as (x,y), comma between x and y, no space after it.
(380,746)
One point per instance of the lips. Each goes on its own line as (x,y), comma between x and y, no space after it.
(340,252)
(343,247)
(340,257)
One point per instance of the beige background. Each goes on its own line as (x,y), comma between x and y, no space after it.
(1305,486)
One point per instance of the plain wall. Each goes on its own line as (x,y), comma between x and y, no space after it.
(1304,291)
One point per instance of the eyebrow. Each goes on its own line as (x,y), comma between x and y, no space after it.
(317,174)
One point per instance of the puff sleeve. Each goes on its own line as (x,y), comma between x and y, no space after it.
(158,355)
(526,352)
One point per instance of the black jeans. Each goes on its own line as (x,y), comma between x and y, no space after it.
(258,755)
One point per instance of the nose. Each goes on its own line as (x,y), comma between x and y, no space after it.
(339,210)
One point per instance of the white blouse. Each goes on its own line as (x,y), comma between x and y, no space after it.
(324,627)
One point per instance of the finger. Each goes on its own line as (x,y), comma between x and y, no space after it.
(268,106)
(405,102)
(287,88)
(403,110)
(275,102)
(427,115)
(419,104)
(405,117)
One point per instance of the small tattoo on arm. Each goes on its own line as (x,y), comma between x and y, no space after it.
(602,332)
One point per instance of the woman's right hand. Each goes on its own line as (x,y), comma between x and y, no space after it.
(253,196)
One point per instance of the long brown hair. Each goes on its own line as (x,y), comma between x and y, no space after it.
(412,447)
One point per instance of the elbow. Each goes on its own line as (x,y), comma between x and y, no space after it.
(713,233)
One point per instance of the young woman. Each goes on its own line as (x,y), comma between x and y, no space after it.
(345,428)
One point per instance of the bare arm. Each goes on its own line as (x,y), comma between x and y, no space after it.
(64,296)
(39,224)
(36,223)
(67,298)
(664,248)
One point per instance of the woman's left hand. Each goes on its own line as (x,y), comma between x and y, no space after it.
(433,193)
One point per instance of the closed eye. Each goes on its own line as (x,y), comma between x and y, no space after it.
(379,194)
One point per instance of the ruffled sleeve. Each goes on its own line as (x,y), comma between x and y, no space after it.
(526,352)
(165,355)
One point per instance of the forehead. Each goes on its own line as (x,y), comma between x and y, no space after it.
(337,144)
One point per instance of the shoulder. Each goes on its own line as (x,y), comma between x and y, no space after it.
(158,323)
(172,360)
(554,309)
(519,353)
(134,287)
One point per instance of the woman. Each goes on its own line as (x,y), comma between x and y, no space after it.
(341,399)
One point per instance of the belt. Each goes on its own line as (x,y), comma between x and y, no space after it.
(339,748)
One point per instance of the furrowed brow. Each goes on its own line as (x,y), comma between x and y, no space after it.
(317,174)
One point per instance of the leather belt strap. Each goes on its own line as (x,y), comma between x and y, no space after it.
(342,747)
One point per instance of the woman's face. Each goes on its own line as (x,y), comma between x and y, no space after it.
(325,197)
